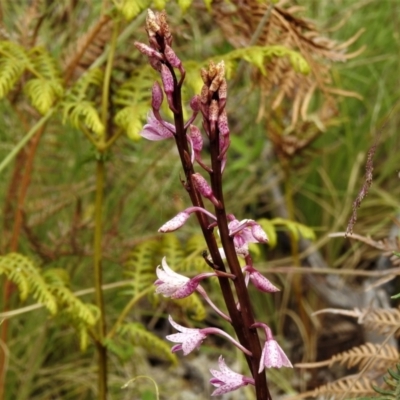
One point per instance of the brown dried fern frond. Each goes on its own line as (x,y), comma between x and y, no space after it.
(383,321)
(350,387)
(27,23)
(287,92)
(88,48)
(373,357)
(382,356)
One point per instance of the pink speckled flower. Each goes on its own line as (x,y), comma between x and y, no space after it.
(188,338)
(176,286)
(169,282)
(246,231)
(259,281)
(272,355)
(227,380)
(155,130)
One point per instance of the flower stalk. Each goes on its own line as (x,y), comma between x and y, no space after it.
(234,235)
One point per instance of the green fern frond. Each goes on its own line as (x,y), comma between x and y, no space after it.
(193,306)
(195,244)
(141,265)
(13,61)
(131,120)
(79,105)
(22,271)
(393,382)
(171,248)
(194,260)
(296,229)
(257,55)
(131,8)
(134,98)
(82,89)
(139,336)
(58,282)
(47,86)
(84,112)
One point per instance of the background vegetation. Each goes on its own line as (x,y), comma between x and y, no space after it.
(283,168)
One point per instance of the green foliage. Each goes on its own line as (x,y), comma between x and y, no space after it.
(141,266)
(194,260)
(257,56)
(193,306)
(393,382)
(144,258)
(22,271)
(79,106)
(51,289)
(13,61)
(140,336)
(172,249)
(131,8)
(134,99)
(183,4)
(47,86)
(296,230)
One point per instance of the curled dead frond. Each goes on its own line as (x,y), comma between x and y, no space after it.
(88,47)
(289,93)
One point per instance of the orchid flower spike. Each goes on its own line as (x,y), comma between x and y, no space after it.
(226,380)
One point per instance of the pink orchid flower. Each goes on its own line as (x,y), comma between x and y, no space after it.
(259,281)
(169,282)
(245,232)
(272,355)
(188,338)
(155,130)
(176,286)
(227,380)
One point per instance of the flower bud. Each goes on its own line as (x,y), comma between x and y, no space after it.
(175,223)
(223,124)
(148,51)
(157,96)
(197,139)
(202,185)
(167,79)
(171,57)
(195,103)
